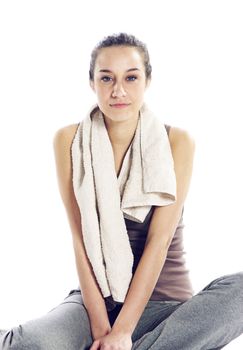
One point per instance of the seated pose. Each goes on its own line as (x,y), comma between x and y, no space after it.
(123,177)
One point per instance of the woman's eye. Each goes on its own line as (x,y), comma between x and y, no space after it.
(132,78)
(106,79)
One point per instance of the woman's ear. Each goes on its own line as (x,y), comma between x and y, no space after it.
(148,83)
(91,83)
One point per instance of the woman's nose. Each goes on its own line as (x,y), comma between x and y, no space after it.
(118,91)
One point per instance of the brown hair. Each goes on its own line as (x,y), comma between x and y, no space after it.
(121,39)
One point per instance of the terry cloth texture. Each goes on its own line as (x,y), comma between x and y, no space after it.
(150,181)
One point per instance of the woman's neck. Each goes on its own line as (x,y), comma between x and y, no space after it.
(121,133)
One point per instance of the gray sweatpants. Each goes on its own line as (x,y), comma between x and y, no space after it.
(209,320)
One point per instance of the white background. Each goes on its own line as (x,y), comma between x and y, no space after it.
(196,54)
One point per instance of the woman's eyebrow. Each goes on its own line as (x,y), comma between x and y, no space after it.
(109,71)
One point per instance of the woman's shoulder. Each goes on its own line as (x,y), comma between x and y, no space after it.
(65,135)
(180,136)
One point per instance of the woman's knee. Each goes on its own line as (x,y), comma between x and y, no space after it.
(239,277)
(19,338)
(238,285)
(236,281)
(232,293)
(54,338)
(14,339)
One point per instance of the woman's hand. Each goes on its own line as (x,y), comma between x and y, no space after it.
(113,340)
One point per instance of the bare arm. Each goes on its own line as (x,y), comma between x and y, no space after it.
(161,230)
(93,299)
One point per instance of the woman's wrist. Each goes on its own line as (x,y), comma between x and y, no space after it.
(121,330)
(100,329)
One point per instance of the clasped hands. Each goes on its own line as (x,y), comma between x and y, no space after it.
(114,340)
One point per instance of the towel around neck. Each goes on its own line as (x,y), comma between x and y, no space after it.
(147,178)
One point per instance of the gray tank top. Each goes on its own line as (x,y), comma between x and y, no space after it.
(173,282)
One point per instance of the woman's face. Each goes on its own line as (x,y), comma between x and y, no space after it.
(119,78)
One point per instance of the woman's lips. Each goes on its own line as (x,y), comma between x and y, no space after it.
(120,105)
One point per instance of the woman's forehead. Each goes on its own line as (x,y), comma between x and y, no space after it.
(123,57)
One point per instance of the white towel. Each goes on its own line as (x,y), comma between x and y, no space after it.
(104,200)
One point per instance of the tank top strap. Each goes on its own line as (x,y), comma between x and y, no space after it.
(167,128)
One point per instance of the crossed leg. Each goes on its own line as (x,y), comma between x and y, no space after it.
(65,327)
(209,320)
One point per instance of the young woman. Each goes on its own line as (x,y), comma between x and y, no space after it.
(159,310)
